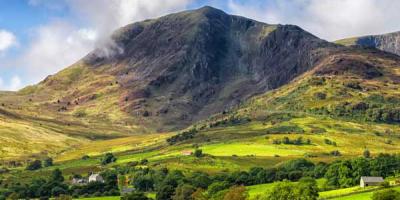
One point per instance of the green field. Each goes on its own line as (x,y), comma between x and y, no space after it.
(360,196)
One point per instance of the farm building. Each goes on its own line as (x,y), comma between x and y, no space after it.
(79,181)
(96,178)
(366,181)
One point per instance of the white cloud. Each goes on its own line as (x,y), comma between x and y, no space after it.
(61,42)
(53,47)
(14,84)
(328,19)
(7,40)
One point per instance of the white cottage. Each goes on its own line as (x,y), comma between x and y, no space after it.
(96,178)
(366,181)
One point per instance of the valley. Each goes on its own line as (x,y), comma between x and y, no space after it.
(211,104)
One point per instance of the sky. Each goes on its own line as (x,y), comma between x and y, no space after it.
(40,37)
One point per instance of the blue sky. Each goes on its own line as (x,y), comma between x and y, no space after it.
(41,37)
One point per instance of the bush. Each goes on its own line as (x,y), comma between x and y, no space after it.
(85,157)
(320,96)
(48,162)
(144,161)
(386,195)
(335,153)
(108,158)
(285,129)
(198,153)
(366,153)
(236,193)
(35,165)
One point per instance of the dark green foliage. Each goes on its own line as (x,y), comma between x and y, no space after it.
(231,121)
(329,142)
(306,189)
(35,165)
(285,129)
(335,153)
(135,196)
(386,195)
(165,192)
(297,141)
(144,161)
(85,157)
(317,81)
(185,135)
(108,158)
(48,162)
(198,153)
(184,192)
(366,153)
(353,85)
(320,95)
(56,176)
(218,186)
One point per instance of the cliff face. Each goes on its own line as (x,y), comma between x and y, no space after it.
(387,42)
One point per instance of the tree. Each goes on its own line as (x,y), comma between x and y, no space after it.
(57,191)
(198,153)
(184,192)
(282,190)
(108,158)
(366,153)
(236,193)
(217,186)
(165,192)
(386,195)
(48,162)
(35,165)
(56,176)
(307,189)
(135,196)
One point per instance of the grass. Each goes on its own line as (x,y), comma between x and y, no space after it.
(360,196)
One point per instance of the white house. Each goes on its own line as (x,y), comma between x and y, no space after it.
(366,181)
(96,178)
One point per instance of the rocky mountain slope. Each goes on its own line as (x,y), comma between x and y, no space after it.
(166,73)
(387,42)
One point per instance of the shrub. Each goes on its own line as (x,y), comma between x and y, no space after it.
(85,157)
(48,162)
(335,153)
(320,95)
(198,153)
(236,193)
(35,165)
(108,158)
(366,153)
(386,195)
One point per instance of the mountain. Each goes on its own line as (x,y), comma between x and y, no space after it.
(164,74)
(195,67)
(387,42)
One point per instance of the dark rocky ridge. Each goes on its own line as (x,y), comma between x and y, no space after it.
(388,42)
(186,66)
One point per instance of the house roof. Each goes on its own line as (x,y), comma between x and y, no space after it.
(372,179)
